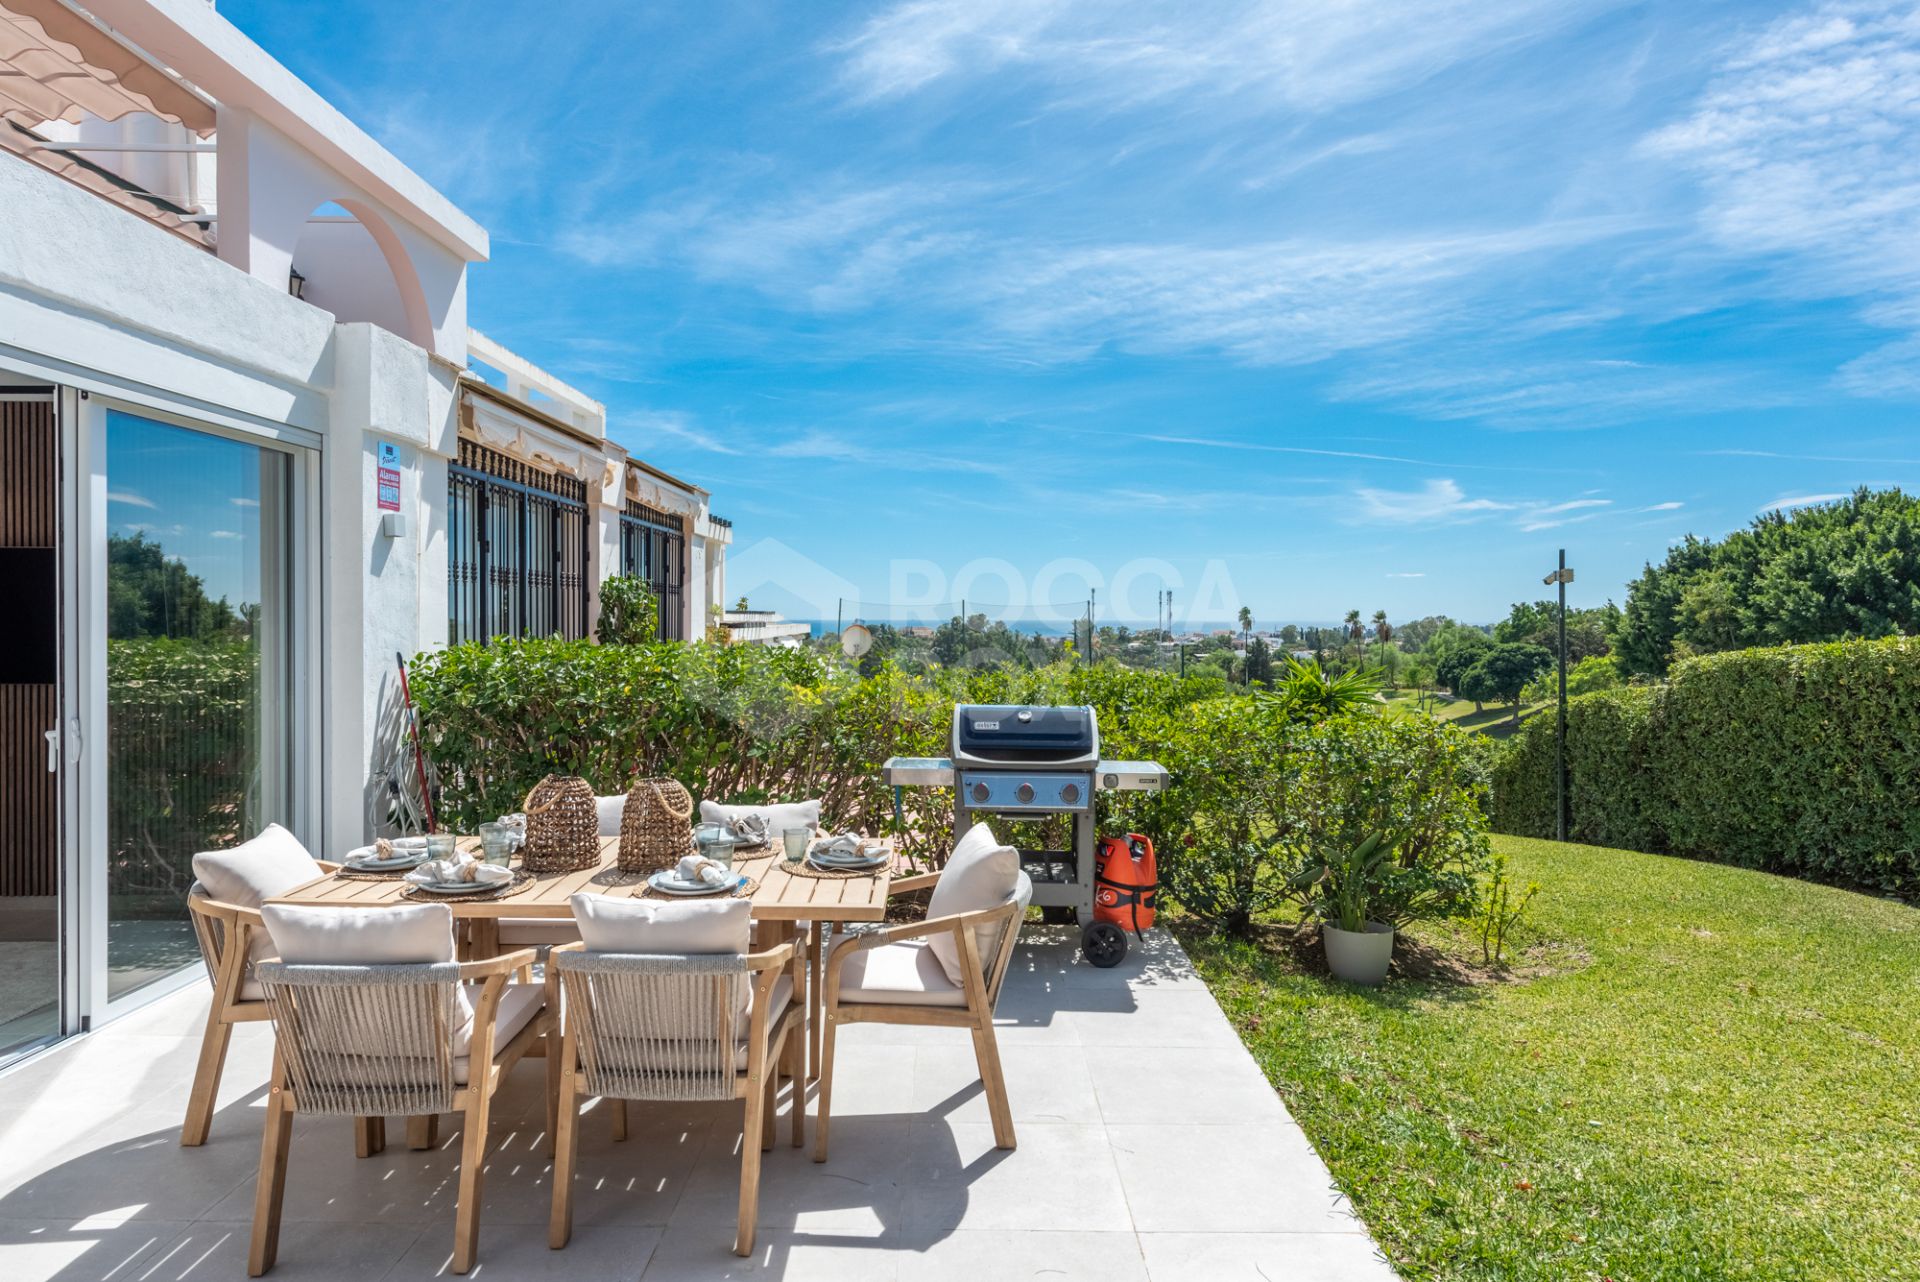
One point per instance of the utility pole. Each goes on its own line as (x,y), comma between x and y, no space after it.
(839,615)
(1562,577)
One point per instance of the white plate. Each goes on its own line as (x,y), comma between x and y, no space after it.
(667,884)
(362,858)
(458,887)
(846,865)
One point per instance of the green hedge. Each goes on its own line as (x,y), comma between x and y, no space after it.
(1799,759)
(736,723)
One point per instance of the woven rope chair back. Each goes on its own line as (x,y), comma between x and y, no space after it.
(656,1027)
(367,1041)
(209,934)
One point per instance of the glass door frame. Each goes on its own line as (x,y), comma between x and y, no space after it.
(88,904)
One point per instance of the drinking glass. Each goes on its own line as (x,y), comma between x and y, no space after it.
(795,841)
(496,843)
(440,845)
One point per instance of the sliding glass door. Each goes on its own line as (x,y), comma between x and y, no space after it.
(199,639)
(30,762)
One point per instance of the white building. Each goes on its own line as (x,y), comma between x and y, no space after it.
(247,456)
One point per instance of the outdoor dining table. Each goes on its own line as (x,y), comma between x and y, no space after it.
(781,901)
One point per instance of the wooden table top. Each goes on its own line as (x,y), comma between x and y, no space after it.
(780,896)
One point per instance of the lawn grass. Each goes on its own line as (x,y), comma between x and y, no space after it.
(1714,1073)
(1494,720)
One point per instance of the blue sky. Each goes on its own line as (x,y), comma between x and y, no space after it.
(1362,305)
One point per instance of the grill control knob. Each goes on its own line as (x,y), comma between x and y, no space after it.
(1070,793)
(979,792)
(1113,781)
(1024,792)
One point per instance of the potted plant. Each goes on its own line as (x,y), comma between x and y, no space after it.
(1359,949)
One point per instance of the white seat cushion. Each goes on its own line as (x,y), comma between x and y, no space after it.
(778,816)
(397,935)
(609,925)
(519,1003)
(898,974)
(537,932)
(979,875)
(611,811)
(255,871)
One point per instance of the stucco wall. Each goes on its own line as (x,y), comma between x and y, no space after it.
(85,280)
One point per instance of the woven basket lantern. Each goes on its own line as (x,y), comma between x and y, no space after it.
(563,827)
(656,828)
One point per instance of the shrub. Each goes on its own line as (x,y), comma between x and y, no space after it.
(1257,797)
(629,612)
(1800,759)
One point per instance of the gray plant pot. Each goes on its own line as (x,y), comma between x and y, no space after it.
(1359,956)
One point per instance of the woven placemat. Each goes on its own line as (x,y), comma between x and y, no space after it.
(741,892)
(522,880)
(345,873)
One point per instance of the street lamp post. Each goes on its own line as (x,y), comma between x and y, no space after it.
(1561,576)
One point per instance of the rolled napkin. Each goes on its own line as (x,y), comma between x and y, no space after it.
(701,868)
(750,829)
(849,846)
(462,867)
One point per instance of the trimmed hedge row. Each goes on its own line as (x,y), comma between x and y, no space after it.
(736,723)
(1798,759)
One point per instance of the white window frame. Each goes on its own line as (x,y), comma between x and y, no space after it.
(88,946)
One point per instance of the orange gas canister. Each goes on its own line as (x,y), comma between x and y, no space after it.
(1125,885)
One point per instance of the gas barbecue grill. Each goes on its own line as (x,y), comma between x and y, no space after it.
(1029,763)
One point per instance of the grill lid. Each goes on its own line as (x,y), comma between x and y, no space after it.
(1025,735)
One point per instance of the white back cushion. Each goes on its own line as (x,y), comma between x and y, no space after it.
(778,816)
(611,810)
(980,874)
(610,925)
(403,934)
(254,871)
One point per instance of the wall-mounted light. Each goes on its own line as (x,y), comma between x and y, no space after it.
(296,284)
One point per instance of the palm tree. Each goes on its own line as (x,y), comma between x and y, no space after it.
(1246,631)
(1358,631)
(1383,633)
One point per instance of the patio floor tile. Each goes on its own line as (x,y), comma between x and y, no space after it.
(1059,1175)
(1251,1178)
(1150,1146)
(1276,1257)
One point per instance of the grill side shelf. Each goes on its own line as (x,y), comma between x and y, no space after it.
(917,772)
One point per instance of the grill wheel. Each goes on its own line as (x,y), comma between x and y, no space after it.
(1104,944)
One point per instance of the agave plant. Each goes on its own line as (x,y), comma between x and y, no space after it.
(1306,693)
(1342,883)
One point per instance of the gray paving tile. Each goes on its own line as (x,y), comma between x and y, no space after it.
(1264,1257)
(1058,1175)
(1174,1085)
(1247,1178)
(704,1253)
(1056,1256)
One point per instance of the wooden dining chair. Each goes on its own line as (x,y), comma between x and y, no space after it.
(223,905)
(896,975)
(411,1033)
(681,1027)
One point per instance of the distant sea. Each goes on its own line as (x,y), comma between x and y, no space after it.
(822,627)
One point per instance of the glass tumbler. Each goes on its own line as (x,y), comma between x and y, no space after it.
(496,843)
(794,841)
(440,845)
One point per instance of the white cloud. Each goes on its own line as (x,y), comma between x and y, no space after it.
(244,502)
(226,534)
(129,498)
(1807,149)
(1669,506)
(1406,574)
(1787,503)
(673,425)
(1309,55)
(1437,500)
